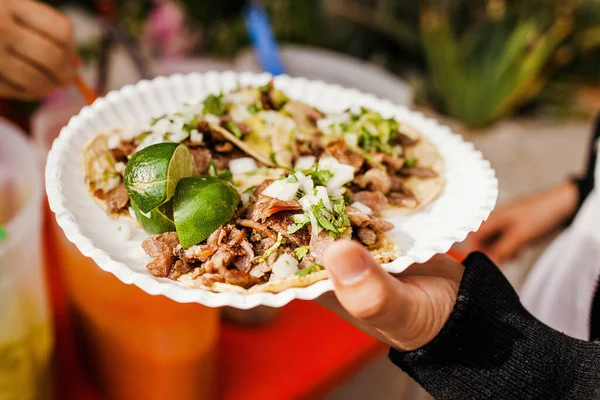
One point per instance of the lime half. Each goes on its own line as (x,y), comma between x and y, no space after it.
(200,205)
(159,220)
(153,172)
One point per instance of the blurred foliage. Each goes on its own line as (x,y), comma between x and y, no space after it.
(475,60)
(482,60)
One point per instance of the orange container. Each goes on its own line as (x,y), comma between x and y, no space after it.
(133,345)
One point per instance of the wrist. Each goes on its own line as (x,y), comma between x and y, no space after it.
(568,201)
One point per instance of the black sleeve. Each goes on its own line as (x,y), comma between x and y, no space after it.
(492,348)
(585,184)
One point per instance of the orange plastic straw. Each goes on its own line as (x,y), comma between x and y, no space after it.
(87,92)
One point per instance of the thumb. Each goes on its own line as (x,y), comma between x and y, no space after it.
(365,290)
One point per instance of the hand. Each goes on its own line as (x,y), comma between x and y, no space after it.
(405,312)
(523,221)
(37,53)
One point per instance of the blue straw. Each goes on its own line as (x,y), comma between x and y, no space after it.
(263,40)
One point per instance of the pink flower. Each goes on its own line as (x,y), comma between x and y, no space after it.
(165,30)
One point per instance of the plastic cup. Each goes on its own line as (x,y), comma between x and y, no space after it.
(133,345)
(26,338)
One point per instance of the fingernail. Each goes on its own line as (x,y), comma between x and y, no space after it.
(349,269)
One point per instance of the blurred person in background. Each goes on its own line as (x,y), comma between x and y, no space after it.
(560,288)
(37,52)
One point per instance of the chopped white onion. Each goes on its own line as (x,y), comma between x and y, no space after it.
(239,113)
(242,165)
(132,213)
(196,136)
(282,190)
(179,136)
(243,97)
(355,109)
(285,266)
(351,139)
(124,231)
(113,141)
(257,273)
(342,174)
(331,123)
(363,208)
(305,162)
(309,200)
(120,167)
(212,119)
(245,197)
(321,194)
(306,183)
(161,127)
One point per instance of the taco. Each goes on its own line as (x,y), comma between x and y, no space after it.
(397,170)
(303,180)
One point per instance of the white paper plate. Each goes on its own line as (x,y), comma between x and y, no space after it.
(467,200)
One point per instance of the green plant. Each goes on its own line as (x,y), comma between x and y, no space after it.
(483,60)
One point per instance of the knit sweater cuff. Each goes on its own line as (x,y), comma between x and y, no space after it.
(491,347)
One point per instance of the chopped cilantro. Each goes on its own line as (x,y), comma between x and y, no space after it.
(300,221)
(214,105)
(411,162)
(300,252)
(265,88)
(224,174)
(212,169)
(3,233)
(253,109)
(321,177)
(143,136)
(191,125)
(325,223)
(335,223)
(370,159)
(292,179)
(155,120)
(341,220)
(234,128)
(375,133)
(179,114)
(310,269)
(250,189)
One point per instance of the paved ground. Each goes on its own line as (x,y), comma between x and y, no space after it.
(528,155)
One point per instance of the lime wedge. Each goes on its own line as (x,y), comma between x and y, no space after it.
(200,205)
(159,220)
(153,172)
